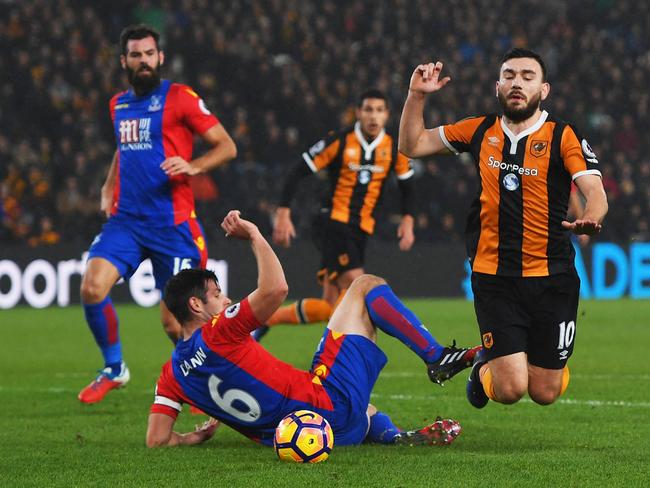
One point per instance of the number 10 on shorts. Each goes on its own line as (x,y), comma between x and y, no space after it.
(567,333)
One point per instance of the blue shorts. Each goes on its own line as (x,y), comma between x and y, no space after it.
(348,366)
(126,244)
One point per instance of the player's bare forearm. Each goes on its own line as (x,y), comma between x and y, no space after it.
(176,439)
(109,184)
(107,189)
(272,286)
(411,125)
(223,150)
(596,206)
(215,157)
(160,433)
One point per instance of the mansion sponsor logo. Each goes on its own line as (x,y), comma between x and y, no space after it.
(135,134)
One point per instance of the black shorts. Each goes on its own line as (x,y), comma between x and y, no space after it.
(342,247)
(534,315)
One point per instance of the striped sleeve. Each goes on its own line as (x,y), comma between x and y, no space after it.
(403,168)
(113,103)
(457,137)
(321,154)
(578,156)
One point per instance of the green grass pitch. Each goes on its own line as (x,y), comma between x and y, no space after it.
(598,434)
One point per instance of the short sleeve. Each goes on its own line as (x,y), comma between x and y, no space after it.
(166,398)
(113,103)
(194,111)
(457,137)
(579,159)
(323,152)
(403,168)
(234,324)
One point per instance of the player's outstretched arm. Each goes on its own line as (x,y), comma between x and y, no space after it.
(414,139)
(272,286)
(223,150)
(107,188)
(596,207)
(160,432)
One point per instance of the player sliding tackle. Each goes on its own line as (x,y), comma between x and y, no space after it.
(219,368)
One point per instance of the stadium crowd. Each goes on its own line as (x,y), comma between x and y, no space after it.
(281,73)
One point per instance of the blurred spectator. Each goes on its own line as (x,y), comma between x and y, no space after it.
(46,235)
(280,73)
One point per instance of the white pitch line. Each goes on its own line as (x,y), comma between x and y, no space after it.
(70,375)
(598,403)
(635,377)
(399,397)
(642,377)
(562,401)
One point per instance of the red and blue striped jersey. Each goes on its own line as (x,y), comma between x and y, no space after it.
(231,377)
(148,130)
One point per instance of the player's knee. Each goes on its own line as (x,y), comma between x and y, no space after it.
(509,396)
(367,282)
(543,395)
(92,290)
(510,392)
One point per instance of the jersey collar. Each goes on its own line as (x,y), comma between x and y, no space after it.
(514,139)
(368,148)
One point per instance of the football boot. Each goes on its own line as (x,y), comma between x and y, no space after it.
(451,362)
(105,382)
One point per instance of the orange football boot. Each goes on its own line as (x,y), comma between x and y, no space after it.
(105,382)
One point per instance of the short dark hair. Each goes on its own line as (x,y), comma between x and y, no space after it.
(138,31)
(520,52)
(186,284)
(372,93)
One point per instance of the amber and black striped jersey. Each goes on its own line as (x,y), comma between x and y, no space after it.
(357,171)
(514,225)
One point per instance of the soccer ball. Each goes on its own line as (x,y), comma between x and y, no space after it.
(303,437)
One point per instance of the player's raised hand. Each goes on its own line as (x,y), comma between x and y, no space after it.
(582,226)
(283,229)
(405,233)
(177,166)
(426,78)
(237,227)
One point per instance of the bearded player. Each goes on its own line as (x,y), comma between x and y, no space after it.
(147,196)
(524,279)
